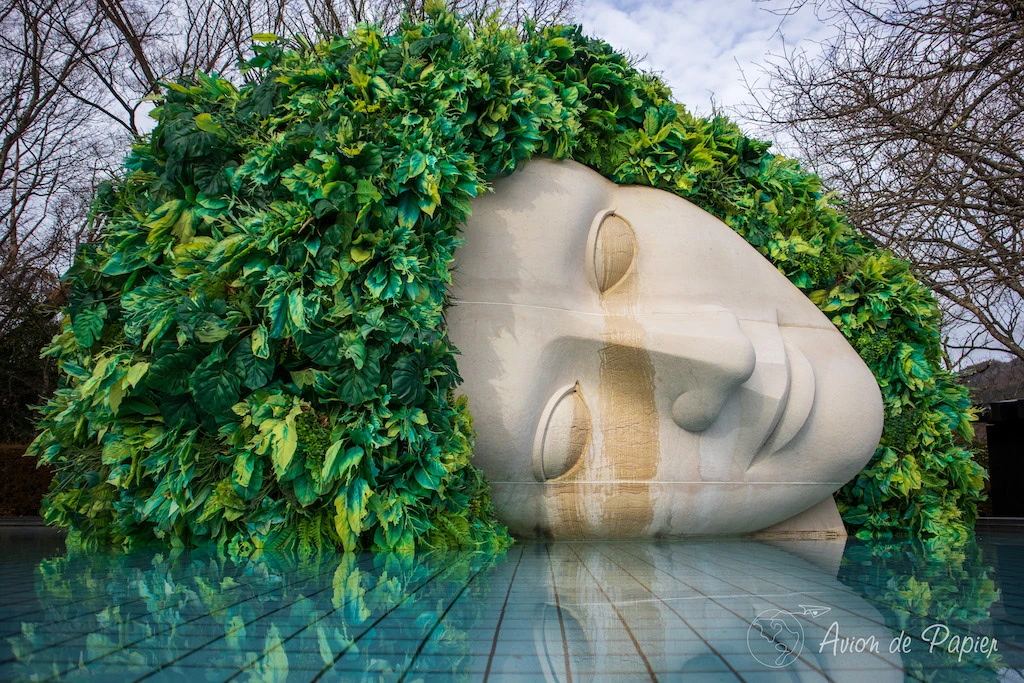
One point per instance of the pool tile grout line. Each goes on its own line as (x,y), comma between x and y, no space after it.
(558,611)
(501,615)
(379,619)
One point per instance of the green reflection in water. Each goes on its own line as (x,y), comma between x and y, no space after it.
(263,615)
(916,584)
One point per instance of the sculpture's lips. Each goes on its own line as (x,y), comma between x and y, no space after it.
(796,408)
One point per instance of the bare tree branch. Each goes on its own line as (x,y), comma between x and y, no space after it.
(915,113)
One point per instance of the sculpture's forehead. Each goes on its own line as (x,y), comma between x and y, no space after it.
(544,237)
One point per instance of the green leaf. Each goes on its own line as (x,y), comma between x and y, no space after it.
(325,347)
(88,324)
(489,128)
(360,384)
(297,309)
(359,77)
(205,122)
(135,373)
(171,372)
(163,219)
(350,511)
(366,193)
(408,209)
(177,411)
(214,387)
(305,493)
(258,371)
(260,343)
(561,47)
(407,385)
(338,465)
(245,463)
(278,313)
(359,254)
(416,163)
(426,480)
(278,439)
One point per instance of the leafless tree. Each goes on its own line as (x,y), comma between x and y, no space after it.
(319,17)
(914,111)
(43,134)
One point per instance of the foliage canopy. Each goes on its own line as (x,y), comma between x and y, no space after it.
(255,351)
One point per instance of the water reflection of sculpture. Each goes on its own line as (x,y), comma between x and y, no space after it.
(621,609)
(129,614)
(633,610)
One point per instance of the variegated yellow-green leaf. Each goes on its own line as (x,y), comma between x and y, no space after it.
(338,464)
(205,122)
(350,510)
(359,254)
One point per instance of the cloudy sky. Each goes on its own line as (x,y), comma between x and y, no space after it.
(702,48)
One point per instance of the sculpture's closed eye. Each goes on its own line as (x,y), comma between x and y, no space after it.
(611,251)
(563,434)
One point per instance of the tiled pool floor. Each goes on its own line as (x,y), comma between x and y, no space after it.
(716,610)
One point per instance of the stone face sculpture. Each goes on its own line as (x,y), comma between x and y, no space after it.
(636,369)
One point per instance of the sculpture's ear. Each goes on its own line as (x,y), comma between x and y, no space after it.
(563,434)
(611,251)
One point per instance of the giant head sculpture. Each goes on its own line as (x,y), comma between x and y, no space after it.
(635,368)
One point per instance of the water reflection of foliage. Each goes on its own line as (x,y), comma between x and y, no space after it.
(916,583)
(157,604)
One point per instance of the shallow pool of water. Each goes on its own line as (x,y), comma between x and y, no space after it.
(722,610)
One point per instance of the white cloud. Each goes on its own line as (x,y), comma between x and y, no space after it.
(701,48)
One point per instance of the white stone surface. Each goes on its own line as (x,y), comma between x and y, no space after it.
(636,369)
(821,521)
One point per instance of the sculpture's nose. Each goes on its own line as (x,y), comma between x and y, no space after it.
(703,367)
(707,356)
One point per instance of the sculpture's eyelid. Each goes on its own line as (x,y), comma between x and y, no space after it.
(563,434)
(611,251)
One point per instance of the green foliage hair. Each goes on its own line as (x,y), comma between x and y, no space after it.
(255,351)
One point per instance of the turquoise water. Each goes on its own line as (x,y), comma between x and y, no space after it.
(723,609)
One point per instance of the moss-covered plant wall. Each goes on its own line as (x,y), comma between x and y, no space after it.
(255,351)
